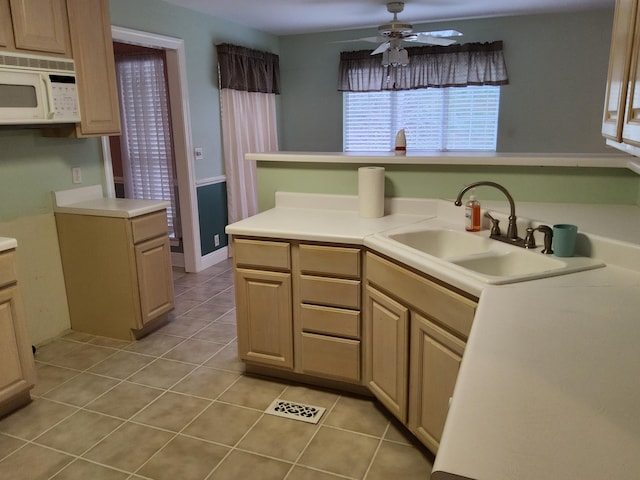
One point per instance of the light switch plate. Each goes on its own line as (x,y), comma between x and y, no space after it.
(199,154)
(76,175)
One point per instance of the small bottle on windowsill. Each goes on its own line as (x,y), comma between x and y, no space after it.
(472,214)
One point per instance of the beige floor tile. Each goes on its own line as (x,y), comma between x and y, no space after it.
(184,458)
(79,356)
(227,359)
(207,311)
(171,411)
(304,473)
(155,344)
(109,342)
(217,332)
(184,305)
(229,317)
(206,382)
(194,351)
(83,470)
(79,432)
(162,373)
(33,462)
(225,298)
(398,433)
(310,396)
(253,392)
(223,423)
(124,400)
(81,389)
(121,364)
(278,437)
(49,377)
(129,447)
(184,326)
(246,465)
(394,460)
(30,421)
(78,336)
(340,452)
(357,414)
(9,445)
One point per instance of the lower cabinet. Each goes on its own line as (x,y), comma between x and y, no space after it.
(117,272)
(302,308)
(263,302)
(17,368)
(415,332)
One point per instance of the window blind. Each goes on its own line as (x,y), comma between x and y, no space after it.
(439,119)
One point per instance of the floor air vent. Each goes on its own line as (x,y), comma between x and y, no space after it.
(295,411)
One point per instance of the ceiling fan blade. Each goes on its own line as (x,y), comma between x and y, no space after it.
(383,47)
(442,33)
(423,37)
(365,39)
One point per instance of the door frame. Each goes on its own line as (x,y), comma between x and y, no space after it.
(181,126)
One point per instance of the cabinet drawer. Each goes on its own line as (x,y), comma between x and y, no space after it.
(338,261)
(333,357)
(7,268)
(330,321)
(438,302)
(149,226)
(332,292)
(261,253)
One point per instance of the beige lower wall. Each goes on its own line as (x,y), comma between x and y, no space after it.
(40,275)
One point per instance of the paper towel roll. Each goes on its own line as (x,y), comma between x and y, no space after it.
(371,191)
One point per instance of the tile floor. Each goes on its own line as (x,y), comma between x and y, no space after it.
(176,406)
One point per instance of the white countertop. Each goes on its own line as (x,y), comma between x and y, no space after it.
(7,243)
(89,201)
(614,160)
(549,386)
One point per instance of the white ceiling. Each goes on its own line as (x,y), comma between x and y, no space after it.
(285,17)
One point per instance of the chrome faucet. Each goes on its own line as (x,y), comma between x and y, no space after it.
(512,229)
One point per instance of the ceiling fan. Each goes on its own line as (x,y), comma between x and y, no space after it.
(391,35)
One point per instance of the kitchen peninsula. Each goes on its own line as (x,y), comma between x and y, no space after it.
(547,385)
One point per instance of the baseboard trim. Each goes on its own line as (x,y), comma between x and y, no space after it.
(210,259)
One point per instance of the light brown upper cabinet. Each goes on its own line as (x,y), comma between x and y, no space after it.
(35,26)
(621,119)
(92,45)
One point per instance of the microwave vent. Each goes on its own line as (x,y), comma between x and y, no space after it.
(37,63)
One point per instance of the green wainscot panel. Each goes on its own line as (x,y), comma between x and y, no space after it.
(212,213)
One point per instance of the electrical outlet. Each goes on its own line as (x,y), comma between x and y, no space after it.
(199,153)
(216,240)
(76,175)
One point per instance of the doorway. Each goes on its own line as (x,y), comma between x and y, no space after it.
(173,49)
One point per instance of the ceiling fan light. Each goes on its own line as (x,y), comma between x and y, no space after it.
(404,57)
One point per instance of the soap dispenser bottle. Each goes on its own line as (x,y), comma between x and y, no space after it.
(472,214)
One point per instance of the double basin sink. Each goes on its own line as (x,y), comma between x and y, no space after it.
(478,256)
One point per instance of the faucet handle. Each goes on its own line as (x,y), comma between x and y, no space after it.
(495,227)
(529,239)
(530,242)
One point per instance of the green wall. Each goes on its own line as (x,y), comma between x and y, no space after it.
(532,184)
(212,213)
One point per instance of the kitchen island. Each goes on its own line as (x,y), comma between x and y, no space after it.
(548,384)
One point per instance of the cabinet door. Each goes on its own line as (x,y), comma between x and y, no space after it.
(41,26)
(17,369)
(631,126)
(6,29)
(155,282)
(434,365)
(90,28)
(387,334)
(265,328)
(619,65)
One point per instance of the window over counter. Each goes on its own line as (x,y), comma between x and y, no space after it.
(434,119)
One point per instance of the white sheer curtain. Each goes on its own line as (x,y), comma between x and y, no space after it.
(146,143)
(248,125)
(249,81)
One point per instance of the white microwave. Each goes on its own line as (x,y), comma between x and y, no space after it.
(37,90)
